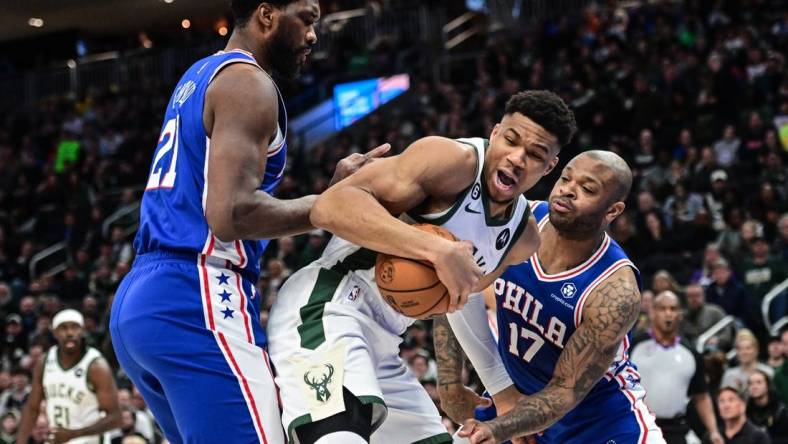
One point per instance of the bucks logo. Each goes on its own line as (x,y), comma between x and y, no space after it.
(320,384)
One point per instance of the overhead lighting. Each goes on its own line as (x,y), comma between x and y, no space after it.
(35,22)
(168,1)
(186,24)
(222,31)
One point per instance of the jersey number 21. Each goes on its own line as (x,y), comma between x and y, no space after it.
(170,138)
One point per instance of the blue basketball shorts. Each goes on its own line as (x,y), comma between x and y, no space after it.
(186,329)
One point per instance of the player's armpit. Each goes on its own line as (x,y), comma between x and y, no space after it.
(609,313)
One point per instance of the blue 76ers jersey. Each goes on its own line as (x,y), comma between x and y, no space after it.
(537,313)
(173,206)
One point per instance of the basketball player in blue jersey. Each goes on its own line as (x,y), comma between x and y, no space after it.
(563,322)
(185,322)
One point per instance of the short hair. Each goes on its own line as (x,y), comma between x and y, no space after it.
(622,174)
(547,110)
(732,389)
(242,9)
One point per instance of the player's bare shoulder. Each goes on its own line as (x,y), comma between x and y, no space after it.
(614,304)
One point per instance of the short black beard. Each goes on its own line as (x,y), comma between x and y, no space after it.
(283,58)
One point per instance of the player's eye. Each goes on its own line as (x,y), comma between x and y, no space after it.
(510,141)
(588,190)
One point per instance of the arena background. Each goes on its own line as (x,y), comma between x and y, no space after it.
(693,94)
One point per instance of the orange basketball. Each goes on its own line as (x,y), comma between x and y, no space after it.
(410,286)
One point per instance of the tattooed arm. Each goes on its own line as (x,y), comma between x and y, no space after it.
(609,312)
(457,400)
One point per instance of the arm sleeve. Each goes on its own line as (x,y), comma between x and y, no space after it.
(697,384)
(472,330)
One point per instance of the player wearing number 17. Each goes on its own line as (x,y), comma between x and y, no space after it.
(78,386)
(185,321)
(564,317)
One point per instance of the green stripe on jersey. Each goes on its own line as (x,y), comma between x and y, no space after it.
(311,329)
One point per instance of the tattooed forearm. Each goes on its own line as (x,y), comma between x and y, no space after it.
(608,315)
(448,352)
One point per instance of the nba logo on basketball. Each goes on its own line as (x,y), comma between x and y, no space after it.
(387,272)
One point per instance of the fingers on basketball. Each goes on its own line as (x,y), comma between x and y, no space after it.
(412,286)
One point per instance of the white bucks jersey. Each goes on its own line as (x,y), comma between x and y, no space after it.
(71,401)
(468,219)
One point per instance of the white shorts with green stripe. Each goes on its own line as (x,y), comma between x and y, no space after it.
(330,328)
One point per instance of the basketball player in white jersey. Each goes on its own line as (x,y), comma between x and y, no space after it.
(77,383)
(334,341)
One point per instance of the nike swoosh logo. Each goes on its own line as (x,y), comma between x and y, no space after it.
(468,209)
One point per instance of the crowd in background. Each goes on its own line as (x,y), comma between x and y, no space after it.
(686,95)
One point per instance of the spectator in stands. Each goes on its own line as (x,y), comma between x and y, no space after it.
(682,208)
(726,149)
(775,353)
(643,323)
(728,293)
(144,420)
(703,275)
(665,360)
(781,373)
(729,240)
(14,343)
(736,428)
(747,355)
(14,398)
(8,425)
(664,281)
(765,409)
(40,433)
(701,316)
(761,272)
(781,243)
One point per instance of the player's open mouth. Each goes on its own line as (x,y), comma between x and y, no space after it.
(71,343)
(504,181)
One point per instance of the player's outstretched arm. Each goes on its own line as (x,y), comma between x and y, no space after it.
(468,330)
(100,377)
(32,405)
(241,114)
(609,313)
(361,208)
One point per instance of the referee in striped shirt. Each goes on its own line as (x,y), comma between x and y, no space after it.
(672,373)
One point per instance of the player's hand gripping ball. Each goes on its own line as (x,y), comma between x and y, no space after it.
(411,286)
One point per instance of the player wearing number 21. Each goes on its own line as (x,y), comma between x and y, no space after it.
(185,320)
(334,340)
(564,317)
(78,386)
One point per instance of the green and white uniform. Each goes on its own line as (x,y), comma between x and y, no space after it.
(71,401)
(330,327)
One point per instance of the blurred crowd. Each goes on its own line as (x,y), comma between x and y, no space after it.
(687,94)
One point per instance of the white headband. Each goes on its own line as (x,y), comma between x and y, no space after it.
(68,315)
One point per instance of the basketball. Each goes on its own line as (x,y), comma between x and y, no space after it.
(410,286)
